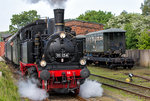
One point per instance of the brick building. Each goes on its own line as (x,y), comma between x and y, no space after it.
(83,27)
(3,38)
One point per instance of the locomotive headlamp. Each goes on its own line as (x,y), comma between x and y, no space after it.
(43,63)
(83,62)
(62,35)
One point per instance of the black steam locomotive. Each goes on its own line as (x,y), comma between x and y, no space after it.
(49,51)
(105,48)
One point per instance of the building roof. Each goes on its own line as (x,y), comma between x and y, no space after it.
(68,20)
(107,31)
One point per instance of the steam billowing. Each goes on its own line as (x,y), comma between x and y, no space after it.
(90,89)
(52,3)
(28,89)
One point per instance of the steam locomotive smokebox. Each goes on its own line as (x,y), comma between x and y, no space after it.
(59,19)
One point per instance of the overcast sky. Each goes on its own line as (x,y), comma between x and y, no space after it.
(72,10)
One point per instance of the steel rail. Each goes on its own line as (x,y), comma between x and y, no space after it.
(76,97)
(129,91)
(80,98)
(147,97)
(143,77)
(121,81)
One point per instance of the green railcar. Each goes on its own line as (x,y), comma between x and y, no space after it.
(110,41)
(106,48)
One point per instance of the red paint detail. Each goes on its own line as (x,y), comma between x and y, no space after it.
(58,73)
(72,84)
(71,75)
(24,66)
(43,85)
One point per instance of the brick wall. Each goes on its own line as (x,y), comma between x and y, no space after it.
(82,27)
(2,50)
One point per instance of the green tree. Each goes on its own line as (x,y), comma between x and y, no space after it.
(96,16)
(123,12)
(124,18)
(5,32)
(131,34)
(144,40)
(145,7)
(133,23)
(20,20)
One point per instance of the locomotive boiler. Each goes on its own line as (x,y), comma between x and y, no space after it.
(50,52)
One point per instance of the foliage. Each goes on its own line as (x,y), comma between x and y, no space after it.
(8,90)
(144,40)
(145,7)
(123,19)
(96,16)
(124,12)
(131,39)
(20,20)
(133,23)
(6,32)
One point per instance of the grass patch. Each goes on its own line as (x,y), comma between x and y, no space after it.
(118,92)
(120,75)
(8,90)
(124,94)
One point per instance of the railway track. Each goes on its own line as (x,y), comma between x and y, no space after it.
(52,97)
(142,77)
(135,89)
(64,97)
(80,98)
(58,98)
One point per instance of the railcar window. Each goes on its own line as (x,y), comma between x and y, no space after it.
(21,36)
(92,38)
(88,40)
(28,34)
(111,36)
(100,38)
(95,39)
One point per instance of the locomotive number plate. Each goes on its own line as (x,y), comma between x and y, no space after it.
(62,55)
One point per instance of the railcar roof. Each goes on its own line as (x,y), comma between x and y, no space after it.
(13,37)
(6,35)
(80,36)
(107,31)
(39,21)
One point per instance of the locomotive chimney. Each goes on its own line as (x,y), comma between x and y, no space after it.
(59,19)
